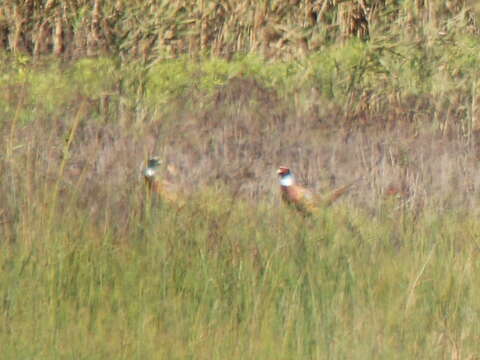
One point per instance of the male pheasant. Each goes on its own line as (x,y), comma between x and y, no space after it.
(303,199)
(155,184)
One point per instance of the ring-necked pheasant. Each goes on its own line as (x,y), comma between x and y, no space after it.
(303,199)
(156,184)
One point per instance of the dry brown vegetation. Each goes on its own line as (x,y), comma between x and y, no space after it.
(156,29)
(237,140)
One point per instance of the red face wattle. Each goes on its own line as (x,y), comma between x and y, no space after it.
(283,170)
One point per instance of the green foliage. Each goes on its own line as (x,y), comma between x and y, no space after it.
(215,73)
(222,277)
(341,73)
(337,71)
(94,77)
(170,79)
(50,89)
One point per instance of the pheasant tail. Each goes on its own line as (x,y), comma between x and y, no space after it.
(335,194)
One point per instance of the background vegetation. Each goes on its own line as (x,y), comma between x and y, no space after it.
(225,92)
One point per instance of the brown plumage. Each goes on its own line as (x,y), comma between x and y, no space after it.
(303,199)
(156,184)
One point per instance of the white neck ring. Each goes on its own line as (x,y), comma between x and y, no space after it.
(287,180)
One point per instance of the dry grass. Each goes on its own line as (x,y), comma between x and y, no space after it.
(152,30)
(236,139)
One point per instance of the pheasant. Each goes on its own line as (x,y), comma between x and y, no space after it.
(165,189)
(303,199)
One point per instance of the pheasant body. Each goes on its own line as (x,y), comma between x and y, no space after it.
(163,188)
(303,199)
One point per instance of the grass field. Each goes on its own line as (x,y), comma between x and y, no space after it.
(223,277)
(93,267)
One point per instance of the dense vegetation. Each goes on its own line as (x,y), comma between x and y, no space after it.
(225,92)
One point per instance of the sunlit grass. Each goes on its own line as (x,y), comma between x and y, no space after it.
(221,278)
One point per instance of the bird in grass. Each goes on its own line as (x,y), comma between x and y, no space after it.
(303,199)
(155,182)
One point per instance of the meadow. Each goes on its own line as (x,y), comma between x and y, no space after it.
(94,267)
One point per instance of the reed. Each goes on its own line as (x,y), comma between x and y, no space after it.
(152,30)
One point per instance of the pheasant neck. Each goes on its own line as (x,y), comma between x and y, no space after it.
(287,180)
(149,172)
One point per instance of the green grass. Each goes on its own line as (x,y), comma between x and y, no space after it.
(222,278)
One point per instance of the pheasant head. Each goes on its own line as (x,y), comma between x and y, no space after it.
(152,168)
(286,177)
(151,172)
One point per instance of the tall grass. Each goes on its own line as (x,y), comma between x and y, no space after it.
(222,277)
